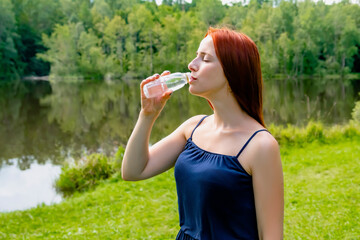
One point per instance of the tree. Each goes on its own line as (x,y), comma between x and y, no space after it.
(306,39)
(91,61)
(167,2)
(77,11)
(136,38)
(35,18)
(63,53)
(141,28)
(282,18)
(168,53)
(99,11)
(284,54)
(115,35)
(342,26)
(210,11)
(349,39)
(9,60)
(235,16)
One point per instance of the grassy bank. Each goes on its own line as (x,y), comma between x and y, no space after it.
(322,195)
(322,191)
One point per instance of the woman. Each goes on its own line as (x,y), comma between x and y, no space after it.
(227,166)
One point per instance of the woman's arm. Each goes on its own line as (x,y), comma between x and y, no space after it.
(268,188)
(139,161)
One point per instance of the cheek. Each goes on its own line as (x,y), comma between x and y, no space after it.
(210,69)
(215,72)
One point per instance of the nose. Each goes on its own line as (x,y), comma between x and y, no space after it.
(193,66)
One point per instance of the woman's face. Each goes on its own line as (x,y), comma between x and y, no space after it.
(207,76)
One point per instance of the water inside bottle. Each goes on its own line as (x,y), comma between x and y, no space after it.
(176,83)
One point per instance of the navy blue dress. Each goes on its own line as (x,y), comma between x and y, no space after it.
(215,195)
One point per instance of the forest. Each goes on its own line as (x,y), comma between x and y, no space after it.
(127,39)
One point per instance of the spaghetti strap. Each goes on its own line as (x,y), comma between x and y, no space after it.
(197,126)
(242,149)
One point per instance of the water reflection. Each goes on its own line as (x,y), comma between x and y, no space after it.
(24,189)
(60,120)
(42,124)
(293,101)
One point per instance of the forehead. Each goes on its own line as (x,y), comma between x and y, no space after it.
(207,46)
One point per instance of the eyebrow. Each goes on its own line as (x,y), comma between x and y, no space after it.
(204,53)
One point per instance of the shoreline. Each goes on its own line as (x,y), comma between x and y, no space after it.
(36,78)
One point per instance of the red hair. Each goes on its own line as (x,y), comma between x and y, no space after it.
(240,60)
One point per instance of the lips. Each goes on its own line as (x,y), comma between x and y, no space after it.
(192,79)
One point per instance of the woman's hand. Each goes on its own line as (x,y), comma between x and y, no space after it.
(153,106)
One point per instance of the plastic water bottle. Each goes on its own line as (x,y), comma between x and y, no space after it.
(172,81)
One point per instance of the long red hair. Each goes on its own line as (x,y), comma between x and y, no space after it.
(240,61)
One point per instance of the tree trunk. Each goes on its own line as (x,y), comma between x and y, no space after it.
(151,52)
(119,53)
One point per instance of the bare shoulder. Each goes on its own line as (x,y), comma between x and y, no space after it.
(266,142)
(265,151)
(190,124)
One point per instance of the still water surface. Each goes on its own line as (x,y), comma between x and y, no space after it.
(43,124)
(22,189)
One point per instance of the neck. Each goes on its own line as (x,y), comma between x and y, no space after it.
(228,113)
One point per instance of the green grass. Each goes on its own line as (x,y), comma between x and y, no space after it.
(115,210)
(322,191)
(322,196)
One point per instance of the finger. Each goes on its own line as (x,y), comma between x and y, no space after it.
(149,79)
(166,95)
(166,72)
(145,81)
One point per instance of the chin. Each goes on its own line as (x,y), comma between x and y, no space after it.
(197,93)
(193,91)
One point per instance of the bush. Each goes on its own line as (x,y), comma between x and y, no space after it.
(118,158)
(314,132)
(84,174)
(356,112)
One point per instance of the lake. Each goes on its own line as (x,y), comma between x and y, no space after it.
(44,124)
